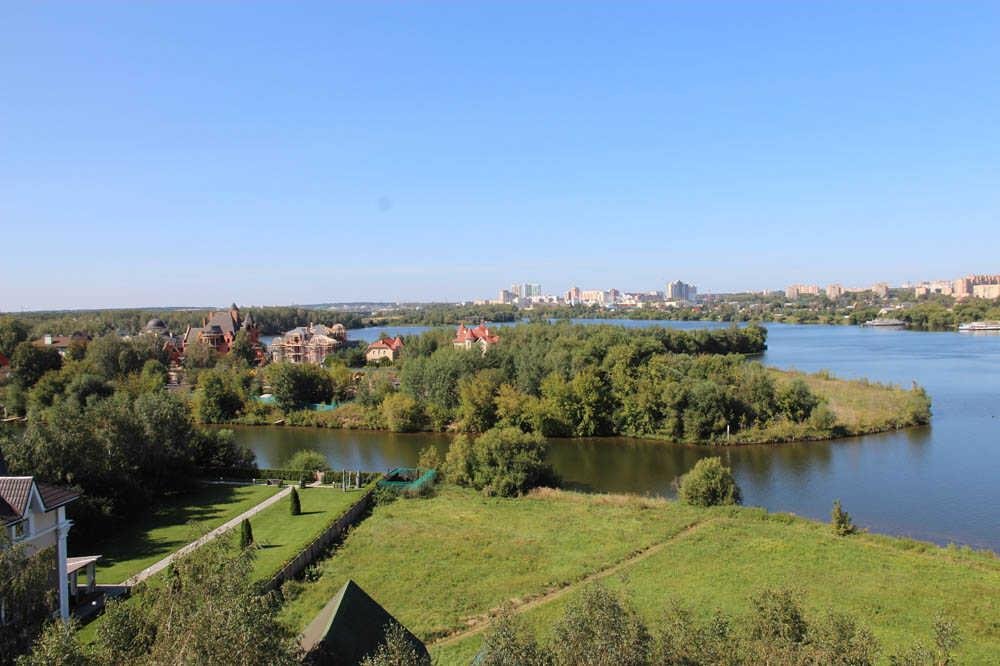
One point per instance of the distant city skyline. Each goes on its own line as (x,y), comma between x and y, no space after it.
(198,154)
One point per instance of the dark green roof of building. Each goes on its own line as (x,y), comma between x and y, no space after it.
(349,628)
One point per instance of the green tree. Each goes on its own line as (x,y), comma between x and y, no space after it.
(217,400)
(243,349)
(12,333)
(397,650)
(207,612)
(246,534)
(476,400)
(29,362)
(841,521)
(57,646)
(709,483)
(154,375)
(796,401)
(502,461)
(296,386)
(506,643)
(308,460)
(295,504)
(198,356)
(401,413)
(27,595)
(600,629)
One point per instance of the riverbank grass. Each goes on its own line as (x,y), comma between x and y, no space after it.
(179,520)
(465,555)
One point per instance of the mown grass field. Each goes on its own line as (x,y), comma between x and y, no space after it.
(177,522)
(280,536)
(441,565)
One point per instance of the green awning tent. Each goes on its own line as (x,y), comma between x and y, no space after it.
(349,628)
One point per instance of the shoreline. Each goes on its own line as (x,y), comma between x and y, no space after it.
(658,440)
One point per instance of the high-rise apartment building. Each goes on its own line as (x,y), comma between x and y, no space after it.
(681,291)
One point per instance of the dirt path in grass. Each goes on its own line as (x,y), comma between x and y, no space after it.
(522,606)
(156,568)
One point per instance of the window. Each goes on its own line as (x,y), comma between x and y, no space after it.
(20,530)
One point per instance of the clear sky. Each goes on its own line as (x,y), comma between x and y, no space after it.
(204,152)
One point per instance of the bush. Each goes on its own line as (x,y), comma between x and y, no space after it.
(246,534)
(709,483)
(841,521)
(295,503)
(600,628)
(429,458)
(502,461)
(308,460)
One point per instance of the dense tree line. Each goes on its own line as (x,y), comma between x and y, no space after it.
(106,425)
(572,380)
(272,320)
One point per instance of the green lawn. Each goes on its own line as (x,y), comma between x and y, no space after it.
(440,564)
(281,536)
(180,520)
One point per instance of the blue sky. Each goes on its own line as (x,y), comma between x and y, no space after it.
(200,153)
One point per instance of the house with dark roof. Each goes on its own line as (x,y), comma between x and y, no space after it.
(387,348)
(34,516)
(351,627)
(219,329)
(479,337)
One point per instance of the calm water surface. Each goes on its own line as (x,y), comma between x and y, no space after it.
(939,483)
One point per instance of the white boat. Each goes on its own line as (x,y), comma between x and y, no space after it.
(888,323)
(977,326)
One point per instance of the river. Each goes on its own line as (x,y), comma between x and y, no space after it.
(939,483)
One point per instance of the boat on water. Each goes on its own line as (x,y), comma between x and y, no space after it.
(978,326)
(881,322)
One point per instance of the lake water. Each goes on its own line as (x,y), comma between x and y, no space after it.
(939,483)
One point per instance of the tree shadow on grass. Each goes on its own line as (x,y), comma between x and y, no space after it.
(180,518)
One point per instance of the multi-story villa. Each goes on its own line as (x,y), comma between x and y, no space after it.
(308,344)
(219,329)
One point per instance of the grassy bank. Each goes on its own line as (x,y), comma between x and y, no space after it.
(856,407)
(178,521)
(464,555)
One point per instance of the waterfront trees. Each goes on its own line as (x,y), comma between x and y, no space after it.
(296,386)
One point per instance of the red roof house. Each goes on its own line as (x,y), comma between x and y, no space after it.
(480,336)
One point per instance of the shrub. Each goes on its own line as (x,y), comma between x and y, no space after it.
(502,461)
(841,521)
(397,650)
(600,628)
(508,644)
(246,534)
(308,460)
(429,458)
(295,504)
(709,483)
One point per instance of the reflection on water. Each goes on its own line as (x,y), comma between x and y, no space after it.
(938,483)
